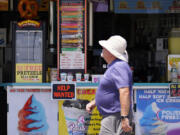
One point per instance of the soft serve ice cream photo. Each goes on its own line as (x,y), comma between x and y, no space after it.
(150,123)
(157,112)
(32,118)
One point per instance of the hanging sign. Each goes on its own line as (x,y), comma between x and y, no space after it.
(63,91)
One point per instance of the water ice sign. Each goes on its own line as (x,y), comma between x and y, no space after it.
(174,89)
(63,91)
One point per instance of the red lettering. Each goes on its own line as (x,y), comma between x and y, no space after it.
(56,94)
(63,94)
(63,87)
(86,91)
(12,90)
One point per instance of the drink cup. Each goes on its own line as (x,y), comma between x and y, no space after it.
(70,77)
(63,76)
(86,77)
(78,77)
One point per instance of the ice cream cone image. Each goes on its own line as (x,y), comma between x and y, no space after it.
(77,118)
(32,118)
(150,123)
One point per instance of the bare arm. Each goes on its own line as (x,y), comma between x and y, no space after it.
(90,106)
(124,100)
(125,107)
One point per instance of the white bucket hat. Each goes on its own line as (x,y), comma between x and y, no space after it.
(116,45)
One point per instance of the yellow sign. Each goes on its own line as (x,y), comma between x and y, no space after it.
(29,23)
(28,73)
(73,118)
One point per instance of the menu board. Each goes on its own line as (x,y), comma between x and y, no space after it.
(72,60)
(146,6)
(72,35)
(72,24)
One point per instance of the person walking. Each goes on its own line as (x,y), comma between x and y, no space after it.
(114,93)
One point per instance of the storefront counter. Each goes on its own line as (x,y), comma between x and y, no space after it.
(33,101)
(156,111)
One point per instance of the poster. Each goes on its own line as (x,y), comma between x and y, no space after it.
(170,60)
(72,60)
(29,73)
(74,119)
(3,5)
(29,110)
(71,27)
(146,6)
(157,113)
(72,35)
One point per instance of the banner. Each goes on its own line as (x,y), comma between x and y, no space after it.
(31,111)
(157,112)
(73,117)
(146,6)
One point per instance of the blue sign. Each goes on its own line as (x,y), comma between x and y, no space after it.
(157,112)
(146,6)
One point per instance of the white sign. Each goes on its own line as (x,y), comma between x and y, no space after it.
(71,60)
(31,110)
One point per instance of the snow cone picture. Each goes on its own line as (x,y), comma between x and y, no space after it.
(32,118)
(77,118)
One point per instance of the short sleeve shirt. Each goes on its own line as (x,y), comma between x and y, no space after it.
(118,75)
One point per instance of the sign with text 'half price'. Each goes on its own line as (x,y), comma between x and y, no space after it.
(63,91)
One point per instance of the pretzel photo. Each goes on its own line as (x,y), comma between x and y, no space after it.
(28,9)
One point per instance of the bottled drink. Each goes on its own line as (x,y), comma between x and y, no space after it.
(174,75)
(178,73)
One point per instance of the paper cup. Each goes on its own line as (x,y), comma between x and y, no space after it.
(63,76)
(70,77)
(78,77)
(86,77)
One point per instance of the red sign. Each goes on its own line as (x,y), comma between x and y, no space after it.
(63,91)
